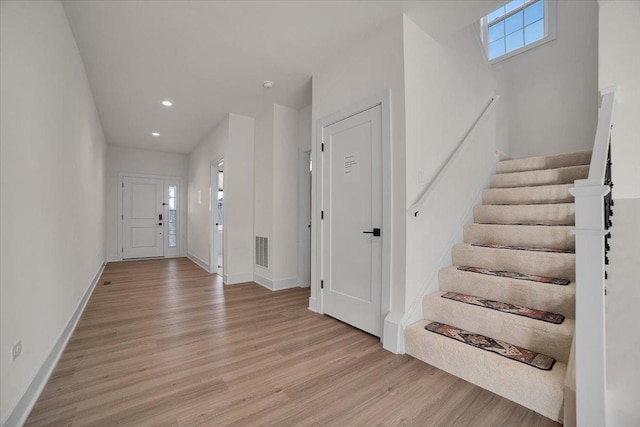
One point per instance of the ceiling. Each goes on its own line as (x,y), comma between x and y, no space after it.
(211,57)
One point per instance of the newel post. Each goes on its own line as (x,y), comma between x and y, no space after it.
(590,354)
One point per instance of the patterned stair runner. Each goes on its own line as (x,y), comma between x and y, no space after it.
(504,307)
(525,248)
(531,358)
(514,275)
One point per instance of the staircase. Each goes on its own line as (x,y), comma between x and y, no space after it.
(519,251)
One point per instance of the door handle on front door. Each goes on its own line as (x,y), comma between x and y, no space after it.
(159,223)
(375,232)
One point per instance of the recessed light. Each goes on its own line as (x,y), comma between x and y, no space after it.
(167,103)
(267,84)
(155,134)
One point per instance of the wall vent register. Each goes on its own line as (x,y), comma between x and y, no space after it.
(262,251)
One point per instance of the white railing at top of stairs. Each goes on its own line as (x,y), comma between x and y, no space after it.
(592,204)
(415,208)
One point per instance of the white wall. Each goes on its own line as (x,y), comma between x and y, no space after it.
(238,200)
(447,86)
(276,194)
(122,160)
(52,204)
(549,93)
(619,65)
(211,149)
(263,182)
(370,67)
(285,195)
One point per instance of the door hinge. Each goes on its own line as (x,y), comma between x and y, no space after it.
(321,214)
(322,147)
(122,217)
(123,185)
(321,284)
(122,250)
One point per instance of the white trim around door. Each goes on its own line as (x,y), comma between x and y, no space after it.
(216,234)
(383,100)
(181,206)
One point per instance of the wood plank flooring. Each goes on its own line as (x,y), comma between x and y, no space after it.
(166,344)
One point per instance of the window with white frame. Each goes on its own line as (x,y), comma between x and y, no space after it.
(518,26)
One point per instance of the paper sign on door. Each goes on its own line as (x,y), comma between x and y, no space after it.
(352,167)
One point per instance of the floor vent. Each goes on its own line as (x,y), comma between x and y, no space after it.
(106,282)
(262,251)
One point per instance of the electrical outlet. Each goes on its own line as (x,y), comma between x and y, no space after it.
(16,350)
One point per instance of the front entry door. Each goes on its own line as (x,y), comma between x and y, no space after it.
(142,217)
(351,228)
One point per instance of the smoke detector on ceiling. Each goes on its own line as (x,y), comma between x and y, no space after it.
(267,84)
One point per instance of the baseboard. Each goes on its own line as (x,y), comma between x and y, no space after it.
(233,279)
(393,333)
(414,313)
(313,305)
(202,264)
(275,285)
(20,412)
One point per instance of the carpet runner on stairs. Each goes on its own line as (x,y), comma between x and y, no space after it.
(515,275)
(525,248)
(502,348)
(500,302)
(505,307)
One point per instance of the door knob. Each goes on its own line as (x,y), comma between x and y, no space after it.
(375,232)
(159,223)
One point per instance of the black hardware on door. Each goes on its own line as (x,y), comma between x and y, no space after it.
(375,232)
(160,217)
(159,223)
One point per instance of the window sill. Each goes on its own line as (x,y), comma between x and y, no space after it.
(522,49)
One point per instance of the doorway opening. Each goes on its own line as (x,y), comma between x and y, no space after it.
(216,218)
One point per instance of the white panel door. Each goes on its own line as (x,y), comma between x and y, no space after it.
(142,217)
(351,228)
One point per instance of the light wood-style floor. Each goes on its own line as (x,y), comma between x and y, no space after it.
(166,344)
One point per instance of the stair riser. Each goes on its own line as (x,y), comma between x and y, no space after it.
(544,162)
(520,235)
(536,335)
(541,296)
(528,195)
(558,214)
(543,392)
(539,177)
(556,265)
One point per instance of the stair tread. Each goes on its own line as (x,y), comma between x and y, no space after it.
(542,296)
(505,377)
(524,248)
(544,337)
(541,194)
(543,236)
(515,275)
(544,162)
(542,177)
(536,214)
(497,346)
(505,307)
